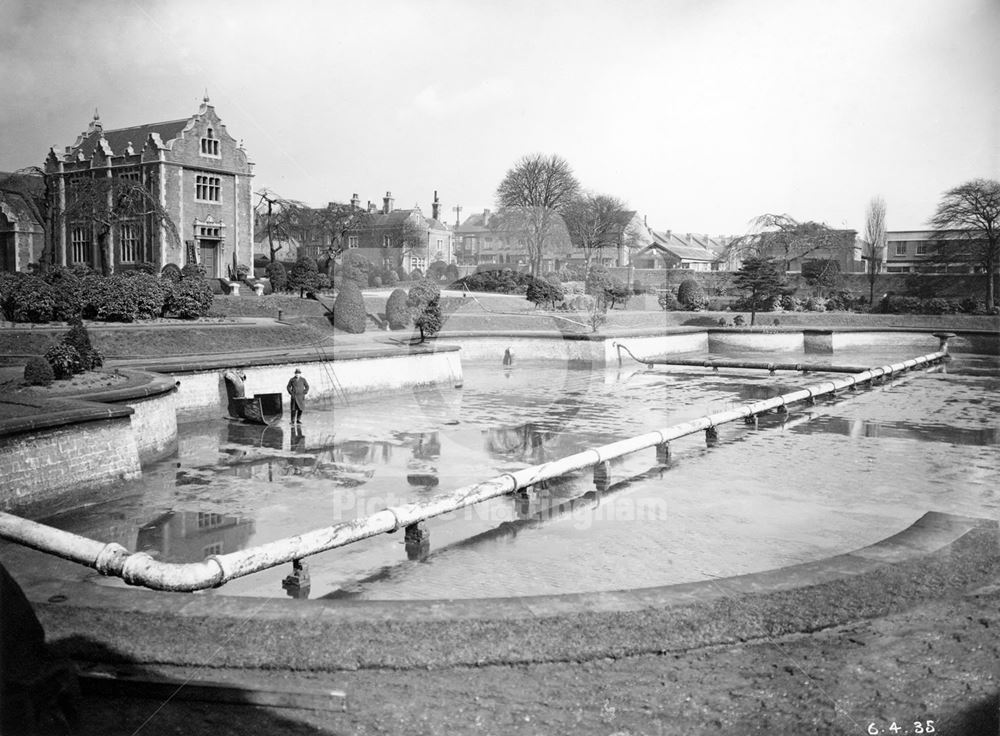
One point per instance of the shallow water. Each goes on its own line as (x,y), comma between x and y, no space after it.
(819,481)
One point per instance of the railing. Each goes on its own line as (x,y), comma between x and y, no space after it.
(139,568)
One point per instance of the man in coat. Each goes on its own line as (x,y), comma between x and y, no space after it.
(298,387)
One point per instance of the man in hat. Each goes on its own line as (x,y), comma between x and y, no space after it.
(298,387)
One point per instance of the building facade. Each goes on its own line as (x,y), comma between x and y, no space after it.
(22,233)
(393,237)
(689,251)
(193,168)
(917,251)
(483,238)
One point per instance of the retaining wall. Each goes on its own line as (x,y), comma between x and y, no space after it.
(42,465)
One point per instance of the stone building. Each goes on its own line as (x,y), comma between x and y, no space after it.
(197,172)
(484,239)
(22,232)
(399,237)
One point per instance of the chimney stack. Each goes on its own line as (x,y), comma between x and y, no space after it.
(486,218)
(355,201)
(435,207)
(387,203)
(371,207)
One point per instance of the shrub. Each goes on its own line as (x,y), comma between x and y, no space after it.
(668,301)
(79,339)
(815,304)
(416,275)
(791,303)
(277,275)
(738,320)
(389,277)
(26,298)
(193,271)
(81,270)
(638,288)
(38,372)
(691,296)
(397,312)
(436,270)
(349,308)
(146,267)
(497,280)
(401,273)
(64,360)
(304,275)
(616,293)
(451,272)
(242,272)
(541,291)
(120,298)
(376,281)
(598,280)
(356,267)
(171,272)
(425,307)
(322,281)
(188,299)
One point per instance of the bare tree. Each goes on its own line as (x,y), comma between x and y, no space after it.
(874,243)
(107,202)
(786,239)
(967,228)
(595,222)
(281,220)
(532,195)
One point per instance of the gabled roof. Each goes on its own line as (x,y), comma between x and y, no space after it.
(119,138)
(670,243)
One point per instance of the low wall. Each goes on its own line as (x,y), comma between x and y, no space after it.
(596,351)
(202,391)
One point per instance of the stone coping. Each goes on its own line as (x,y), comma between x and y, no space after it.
(940,554)
(50,411)
(196,363)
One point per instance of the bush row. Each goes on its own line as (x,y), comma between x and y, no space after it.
(64,295)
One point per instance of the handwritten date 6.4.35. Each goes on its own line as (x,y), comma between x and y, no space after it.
(909,728)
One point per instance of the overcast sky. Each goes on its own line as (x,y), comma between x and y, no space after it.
(700,114)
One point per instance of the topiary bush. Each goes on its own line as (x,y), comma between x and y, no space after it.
(416,275)
(188,298)
(389,277)
(691,296)
(423,301)
(436,270)
(38,372)
(79,339)
(304,275)
(64,360)
(349,308)
(451,272)
(277,275)
(397,313)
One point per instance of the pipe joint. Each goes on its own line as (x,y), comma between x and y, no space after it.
(111,559)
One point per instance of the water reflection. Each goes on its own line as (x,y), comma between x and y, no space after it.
(984,436)
(190,536)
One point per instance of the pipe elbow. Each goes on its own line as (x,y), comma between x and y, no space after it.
(142,570)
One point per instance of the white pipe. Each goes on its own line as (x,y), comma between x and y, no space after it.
(138,568)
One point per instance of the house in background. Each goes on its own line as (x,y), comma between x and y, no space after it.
(393,237)
(916,251)
(197,172)
(22,233)
(689,251)
(484,238)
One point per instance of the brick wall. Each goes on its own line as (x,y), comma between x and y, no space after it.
(43,465)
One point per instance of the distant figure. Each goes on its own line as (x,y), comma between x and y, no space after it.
(508,358)
(298,387)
